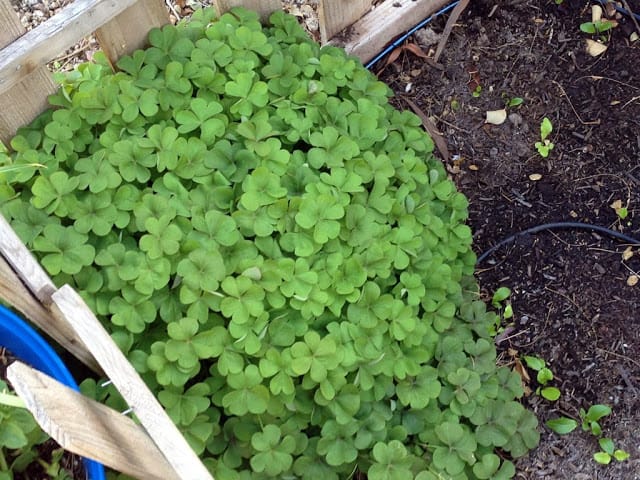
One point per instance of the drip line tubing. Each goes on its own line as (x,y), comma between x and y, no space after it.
(620,9)
(402,38)
(540,228)
(559,226)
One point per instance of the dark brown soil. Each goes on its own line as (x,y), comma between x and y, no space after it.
(573,306)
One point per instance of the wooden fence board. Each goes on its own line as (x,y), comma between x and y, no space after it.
(373,31)
(26,286)
(129,30)
(93,430)
(336,15)
(40,45)
(20,105)
(263,7)
(125,378)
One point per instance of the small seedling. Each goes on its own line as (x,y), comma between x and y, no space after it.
(621,211)
(544,146)
(596,28)
(609,452)
(590,423)
(477,91)
(513,101)
(544,376)
(591,417)
(500,302)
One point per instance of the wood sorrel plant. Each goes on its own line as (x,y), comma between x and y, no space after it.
(278,253)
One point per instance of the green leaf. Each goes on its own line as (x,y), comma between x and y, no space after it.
(606,444)
(620,455)
(248,394)
(500,295)
(487,466)
(596,412)
(535,363)
(163,237)
(392,462)
(545,128)
(550,393)
(65,249)
(274,455)
(562,425)
(49,192)
(602,457)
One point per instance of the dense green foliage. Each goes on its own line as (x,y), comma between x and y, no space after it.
(277,252)
(19,435)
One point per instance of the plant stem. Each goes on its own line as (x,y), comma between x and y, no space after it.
(11,400)
(3,462)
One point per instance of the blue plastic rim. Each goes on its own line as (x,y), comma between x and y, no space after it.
(27,345)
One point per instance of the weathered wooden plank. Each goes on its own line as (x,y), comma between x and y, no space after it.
(263,7)
(373,31)
(129,30)
(92,430)
(14,292)
(40,45)
(148,410)
(336,15)
(24,264)
(26,286)
(19,105)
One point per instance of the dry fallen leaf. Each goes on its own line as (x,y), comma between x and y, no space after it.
(534,177)
(594,48)
(632,280)
(496,117)
(596,13)
(475,168)
(627,254)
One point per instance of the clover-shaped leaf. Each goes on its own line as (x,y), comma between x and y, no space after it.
(275,451)
(66,250)
(243,300)
(392,462)
(184,407)
(315,355)
(248,394)
(163,237)
(50,191)
(417,392)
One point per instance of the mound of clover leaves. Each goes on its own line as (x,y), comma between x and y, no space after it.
(278,253)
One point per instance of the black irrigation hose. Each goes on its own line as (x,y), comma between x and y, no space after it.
(620,9)
(559,226)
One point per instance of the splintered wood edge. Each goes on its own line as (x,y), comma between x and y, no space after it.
(369,35)
(263,7)
(40,45)
(336,15)
(88,428)
(144,404)
(26,286)
(23,263)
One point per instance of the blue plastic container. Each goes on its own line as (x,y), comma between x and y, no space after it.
(27,345)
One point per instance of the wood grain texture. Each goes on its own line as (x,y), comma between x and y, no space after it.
(148,410)
(129,30)
(369,35)
(19,105)
(263,7)
(40,45)
(336,15)
(25,285)
(16,294)
(88,428)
